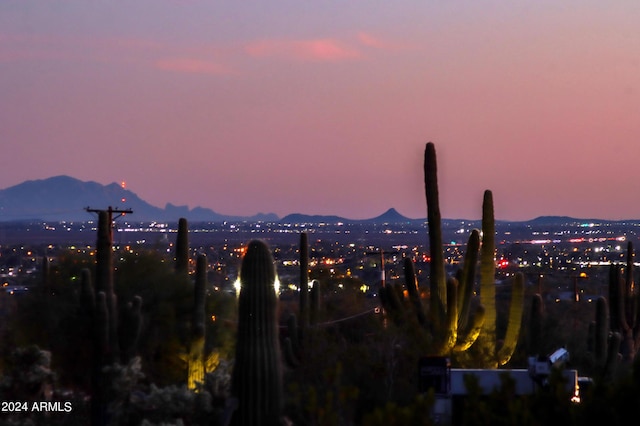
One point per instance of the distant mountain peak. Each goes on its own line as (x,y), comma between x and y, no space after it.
(392,215)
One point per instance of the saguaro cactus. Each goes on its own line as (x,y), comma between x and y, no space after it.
(601,331)
(103,317)
(450,321)
(308,310)
(603,344)
(196,347)
(441,317)
(536,323)
(257,373)
(101,335)
(438,280)
(182,247)
(130,331)
(623,300)
(298,343)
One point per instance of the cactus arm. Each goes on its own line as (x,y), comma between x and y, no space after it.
(411,283)
(467,278)
(452,316)
(314,301)
(515,320)
(613,355)
(535,324)
(473,332)
(488,267)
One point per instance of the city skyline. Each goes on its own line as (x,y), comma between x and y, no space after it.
(326,109)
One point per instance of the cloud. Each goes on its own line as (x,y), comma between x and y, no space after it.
(192,66)
(320,50)
(196,59)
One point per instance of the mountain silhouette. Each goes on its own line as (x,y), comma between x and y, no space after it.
(390,216)
(63,198)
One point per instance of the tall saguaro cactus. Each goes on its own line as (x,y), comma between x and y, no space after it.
(438,279)
(257,373)
(299,331)
(182,247)
(196,346)
(452,326)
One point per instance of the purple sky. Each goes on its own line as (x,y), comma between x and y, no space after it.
(325,107)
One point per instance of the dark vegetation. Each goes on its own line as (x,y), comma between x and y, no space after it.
(129,338)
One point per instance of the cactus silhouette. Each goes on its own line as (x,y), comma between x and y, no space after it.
(257,372)
(493,353)
(536,322)
(448,320)
(623,306)
(196,345)
(438,280)
(298,332)
(603,344)
(299,340)
(182,247)
(100,305)
(458,330)
(452,325)
(129,333)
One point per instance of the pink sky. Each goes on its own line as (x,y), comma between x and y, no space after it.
(325,108)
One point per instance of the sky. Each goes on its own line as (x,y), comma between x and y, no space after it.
(325,107)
